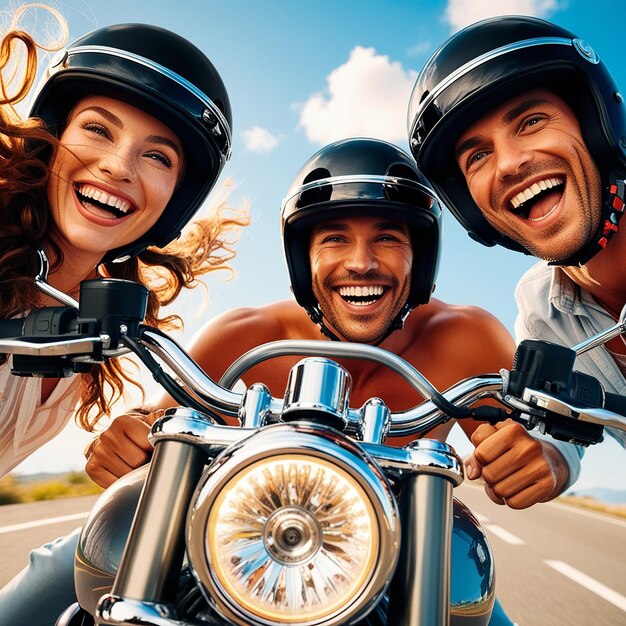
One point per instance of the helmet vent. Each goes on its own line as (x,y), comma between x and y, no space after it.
(402,192)
(400,170)
(315,195)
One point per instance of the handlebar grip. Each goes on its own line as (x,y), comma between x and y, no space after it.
(616,403)
(11,328)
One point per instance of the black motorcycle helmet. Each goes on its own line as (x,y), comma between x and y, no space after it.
(165,75)
(490,62)
(361,177)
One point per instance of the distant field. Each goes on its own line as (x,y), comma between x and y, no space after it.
(14,489)
(619,510)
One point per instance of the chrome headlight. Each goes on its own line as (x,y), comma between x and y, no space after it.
(294,525)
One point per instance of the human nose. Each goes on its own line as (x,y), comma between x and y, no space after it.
(118,164)
(511,159)
(361,259)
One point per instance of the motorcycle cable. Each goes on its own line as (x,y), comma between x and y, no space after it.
(166,381)
(491,414)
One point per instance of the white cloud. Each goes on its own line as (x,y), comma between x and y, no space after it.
(366,96)
(461,13)
(419,49)
(259,139)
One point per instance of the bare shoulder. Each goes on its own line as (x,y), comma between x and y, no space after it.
(254,324)
(226,337)
(466,332)
(466,319)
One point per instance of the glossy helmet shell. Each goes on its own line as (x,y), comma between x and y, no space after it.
(165,75)
(488,63)
(361,177)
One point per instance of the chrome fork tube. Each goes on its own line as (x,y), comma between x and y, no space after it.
(147,578)
(151,562)
(420,591)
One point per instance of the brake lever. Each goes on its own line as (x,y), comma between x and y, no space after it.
(590,415)
(561,419)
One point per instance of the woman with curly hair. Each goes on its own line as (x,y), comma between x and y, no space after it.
(125,138)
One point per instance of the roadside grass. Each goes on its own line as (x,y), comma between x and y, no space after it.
(618,510)
(14,490)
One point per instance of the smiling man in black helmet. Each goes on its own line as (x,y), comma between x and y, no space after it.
(361,235)
(520,128)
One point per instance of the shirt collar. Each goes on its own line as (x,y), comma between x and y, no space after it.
(567,296)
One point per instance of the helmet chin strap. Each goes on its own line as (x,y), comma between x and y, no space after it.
(612,212)
(317,317)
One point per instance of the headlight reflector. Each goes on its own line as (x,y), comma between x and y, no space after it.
(293,529)
(292,537)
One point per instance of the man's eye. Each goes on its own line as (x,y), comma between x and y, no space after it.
(475,157)
(533,120)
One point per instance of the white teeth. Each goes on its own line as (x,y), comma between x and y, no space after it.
(374,292)
(104,198)
(534,189)
(366,290)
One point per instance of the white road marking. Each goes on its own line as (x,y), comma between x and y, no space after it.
(589,583)
(42,522)
(505,535)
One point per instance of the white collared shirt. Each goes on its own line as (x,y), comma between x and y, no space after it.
(551,306)
(25,423)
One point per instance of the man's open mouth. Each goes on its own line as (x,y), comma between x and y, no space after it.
(93,197)
(361,295)
(538,200)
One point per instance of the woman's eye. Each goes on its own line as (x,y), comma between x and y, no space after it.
(161,158)
(98,129)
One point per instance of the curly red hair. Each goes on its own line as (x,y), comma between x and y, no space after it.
(25,147)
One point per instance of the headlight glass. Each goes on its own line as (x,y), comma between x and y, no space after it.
(292,538)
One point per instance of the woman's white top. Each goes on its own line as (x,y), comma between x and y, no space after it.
(25,423)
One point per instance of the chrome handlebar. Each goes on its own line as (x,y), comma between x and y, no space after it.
(533,406)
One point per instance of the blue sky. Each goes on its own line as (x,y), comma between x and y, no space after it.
(301,75)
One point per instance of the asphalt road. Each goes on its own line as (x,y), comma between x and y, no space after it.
(555,565)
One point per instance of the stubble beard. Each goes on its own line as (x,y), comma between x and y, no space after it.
(360,331)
